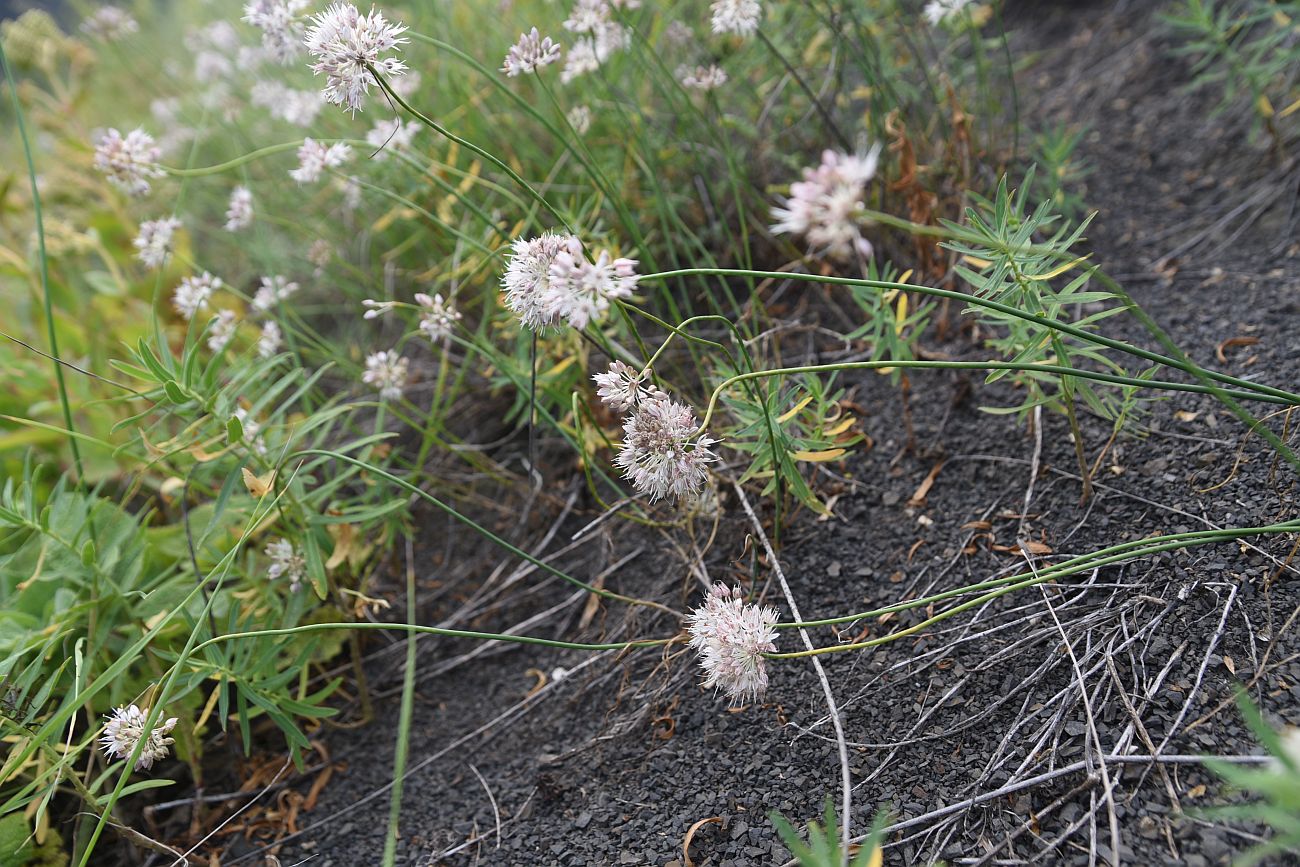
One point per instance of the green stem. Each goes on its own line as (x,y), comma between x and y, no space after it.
(52,332)
(403,721)
(470,146)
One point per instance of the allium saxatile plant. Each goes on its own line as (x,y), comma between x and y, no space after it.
(286,562)
(386,372)
(702,77)
(731,637)
(621,387)
(345,44)
(193,293)
(239,213)
(154,243)
(315,157)
(128,161)
(223,329)
(739,17)
(527,280)
(437,316)
(125,729)
(273,290)
(825,206)
(580,290)
(530,53)
(663,454)
(580,119)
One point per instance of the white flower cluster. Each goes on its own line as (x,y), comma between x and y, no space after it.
(268,342)
(437,316)
(599,36)
(942,10)
(824,207)
(345,45)
(223,329)
(193,293)
(286,562)
(530,54)
(731,638)
(298,107)
(580,119)
(386,371)
(274,289)
(153,244)
(125,729)
(702,77)
(129,161)
(663,453)
(239,213)
(740,17)
(314,157)
(280,25)
(109,24)
(391,134)
(550,278)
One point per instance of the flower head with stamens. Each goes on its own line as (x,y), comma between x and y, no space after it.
(437,317)
(621,387)
(193,293)
(386,371)
(740,17)
(731,638)
(278,21)
(346,45)
(580,290)
(128,161)
(314,157)
(527,280)
(530,53)
(239,213)
(274,289)
(286,562)
(153,244)
(661,454)
(125,729)
(268,343)
(223,329)
(824,207)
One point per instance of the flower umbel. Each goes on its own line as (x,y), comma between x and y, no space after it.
(736,16)
(580,290)
(824,207)
(437,317)
(702,77)
(286,562)
(193,293)
(153,244)
(239,214)
(386,371)
(273,290)
(530,53)
(346,44)
(110,24)
(223,328)
(268,343)
(128,161)
(941,10)
(314,157)
(125,729)
(731,638)
(661,454)
(620,387)
(527,280)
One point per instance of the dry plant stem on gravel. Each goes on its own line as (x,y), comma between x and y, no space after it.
(846,780)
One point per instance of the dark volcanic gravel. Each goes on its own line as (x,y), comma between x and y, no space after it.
(617,761)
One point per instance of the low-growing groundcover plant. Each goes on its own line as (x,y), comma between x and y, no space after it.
(270,298)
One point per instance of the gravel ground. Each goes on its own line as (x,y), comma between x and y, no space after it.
(976,732)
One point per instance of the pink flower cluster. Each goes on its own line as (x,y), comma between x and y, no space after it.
(731,638)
